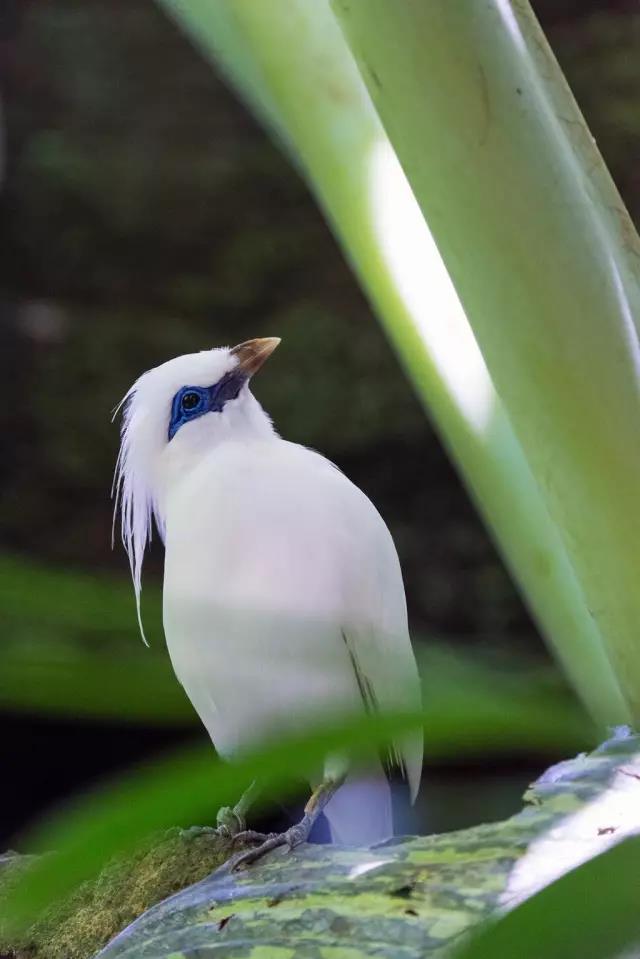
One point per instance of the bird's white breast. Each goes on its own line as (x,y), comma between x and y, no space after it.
(271,553)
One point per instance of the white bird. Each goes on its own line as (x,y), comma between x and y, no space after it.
(283,600)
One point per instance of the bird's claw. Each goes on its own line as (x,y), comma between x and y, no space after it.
(292,837)
(229,823)
(248,836)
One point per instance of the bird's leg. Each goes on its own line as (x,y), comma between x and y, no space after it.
(231,820)
(291,837)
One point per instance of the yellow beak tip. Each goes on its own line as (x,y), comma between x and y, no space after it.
(253,353)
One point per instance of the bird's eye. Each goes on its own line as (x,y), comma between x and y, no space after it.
(190,401)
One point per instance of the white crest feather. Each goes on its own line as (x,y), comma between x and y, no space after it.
(132,491)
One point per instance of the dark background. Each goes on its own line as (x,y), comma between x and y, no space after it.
(145,214)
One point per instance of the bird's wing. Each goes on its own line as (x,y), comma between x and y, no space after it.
(379,689)
(377,639)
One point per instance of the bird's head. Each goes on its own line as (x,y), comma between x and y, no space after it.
(174,414)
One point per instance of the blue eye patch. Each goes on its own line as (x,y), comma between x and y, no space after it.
(190,402)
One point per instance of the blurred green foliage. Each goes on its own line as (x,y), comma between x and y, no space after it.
(70,649)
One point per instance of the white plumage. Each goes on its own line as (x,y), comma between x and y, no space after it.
(283,599)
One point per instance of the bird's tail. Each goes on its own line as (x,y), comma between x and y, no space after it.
(360,813)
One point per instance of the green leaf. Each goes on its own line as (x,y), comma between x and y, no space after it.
(57,677)
(70,647)
(544,257)
(592,912)
(72,601)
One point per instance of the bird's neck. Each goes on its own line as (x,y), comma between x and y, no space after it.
(181,460)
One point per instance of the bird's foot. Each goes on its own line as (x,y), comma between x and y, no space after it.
(292,837)
(247,837)
(230,823)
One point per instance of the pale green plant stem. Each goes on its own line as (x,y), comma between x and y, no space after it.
(544,258)
(289,60)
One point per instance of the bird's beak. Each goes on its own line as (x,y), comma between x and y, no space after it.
(253,353)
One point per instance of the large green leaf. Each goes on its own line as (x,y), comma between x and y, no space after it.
(70,600)
(401,901)
(544,257)
(419,895)
(69,647)
(593,912)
